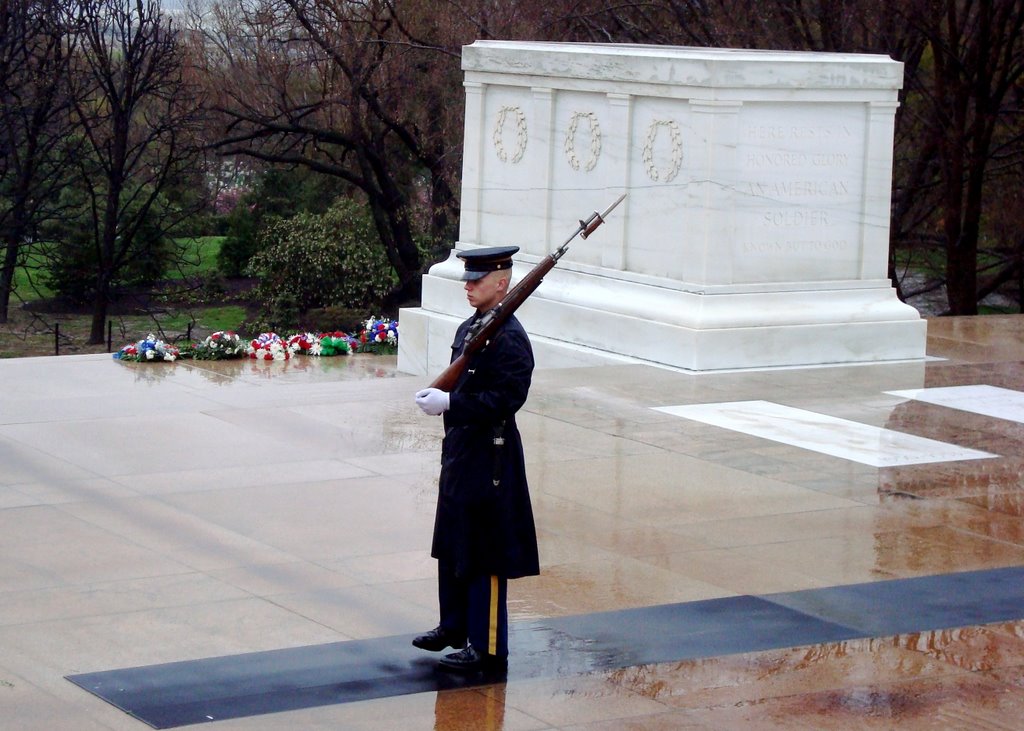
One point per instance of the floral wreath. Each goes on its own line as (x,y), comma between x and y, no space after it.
(337,343)
(378,335)
(220,345)
(323,344)
(149,349)
(269,346)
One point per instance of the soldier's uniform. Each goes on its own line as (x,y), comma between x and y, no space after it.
(484,530)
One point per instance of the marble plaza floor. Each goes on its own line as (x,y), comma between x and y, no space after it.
(826,548)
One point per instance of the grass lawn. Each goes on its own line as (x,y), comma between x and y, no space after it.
(34,332)
(200,256)
(29,282)
(31,333)
(225,317)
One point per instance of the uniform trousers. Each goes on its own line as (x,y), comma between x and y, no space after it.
(475,607)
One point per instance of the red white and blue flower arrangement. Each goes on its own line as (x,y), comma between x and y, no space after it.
(268,346)
(149,349)
(377,336)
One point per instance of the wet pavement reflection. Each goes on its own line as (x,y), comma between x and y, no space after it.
(158,513)
(471,710)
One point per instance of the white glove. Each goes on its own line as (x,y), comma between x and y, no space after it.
(433,401)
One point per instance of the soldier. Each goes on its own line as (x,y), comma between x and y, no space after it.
(484,532)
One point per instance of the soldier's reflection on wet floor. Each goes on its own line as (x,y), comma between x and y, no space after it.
(481,709)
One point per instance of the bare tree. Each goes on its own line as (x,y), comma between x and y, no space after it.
(319,83)
(977,64)
(366,91)
(36,145)
(136,108)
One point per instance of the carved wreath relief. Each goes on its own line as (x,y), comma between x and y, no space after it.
(519,121)
(512,115)
(595,141)
(676,141)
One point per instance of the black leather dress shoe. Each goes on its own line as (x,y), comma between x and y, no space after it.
(471,661)
(438,639)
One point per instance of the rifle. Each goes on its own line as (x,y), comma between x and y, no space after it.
(484,328)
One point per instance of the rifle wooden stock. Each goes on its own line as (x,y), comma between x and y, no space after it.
(484,329)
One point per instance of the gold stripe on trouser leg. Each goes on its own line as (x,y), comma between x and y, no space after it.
(492,625)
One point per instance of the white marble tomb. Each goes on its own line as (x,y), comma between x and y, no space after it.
(755,230)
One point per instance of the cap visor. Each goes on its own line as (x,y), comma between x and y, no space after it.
(468,276)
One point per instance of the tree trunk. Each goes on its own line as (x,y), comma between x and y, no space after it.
(98,329)
(7,278)
(962,276)
(15,232)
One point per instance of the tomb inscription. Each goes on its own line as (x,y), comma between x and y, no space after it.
(798,192)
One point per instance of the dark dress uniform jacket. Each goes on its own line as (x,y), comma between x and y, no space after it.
(482,528)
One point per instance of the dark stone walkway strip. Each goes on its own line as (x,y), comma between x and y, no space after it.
(236,686)
(911,605)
